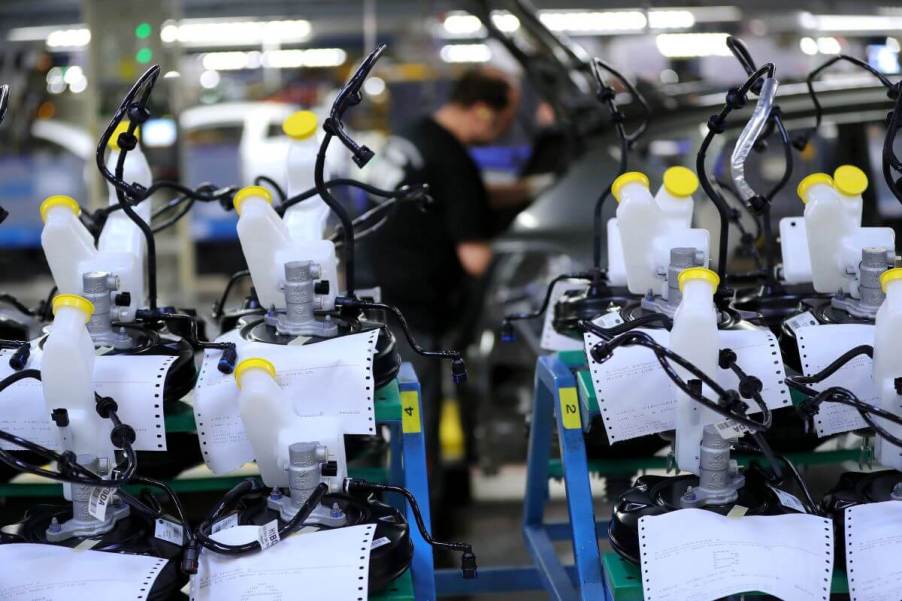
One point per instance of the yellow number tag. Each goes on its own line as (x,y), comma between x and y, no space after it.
(570,409)
(410,412)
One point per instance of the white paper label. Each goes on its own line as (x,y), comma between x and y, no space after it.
(637,398)
(33,572)
(229,521)
(803,320)
(873,545)
(730,429)
(698,554)
(268,535)
(169,532)
(819,346)
(608,320)
(789,500)
(98,501)
(380,542)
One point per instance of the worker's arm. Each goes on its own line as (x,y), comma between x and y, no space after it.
(519,193)
(475,257)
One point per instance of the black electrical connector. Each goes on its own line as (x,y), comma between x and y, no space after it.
(358,487)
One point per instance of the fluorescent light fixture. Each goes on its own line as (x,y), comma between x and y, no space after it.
(312,57)
(69,38)
(158,133)
(209,79)
(670,19)
(374,86)
(689,45)
(850,23)
(460,24)
(238,32)
(466,53)
(828,45)
(822,45)
(594,21)
(274,59)
(808,46)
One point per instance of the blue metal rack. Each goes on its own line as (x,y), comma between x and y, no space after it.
(557,407)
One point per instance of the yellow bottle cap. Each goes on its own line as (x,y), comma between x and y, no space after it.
(121,128)
(250,192)
(300,125)
(76,302)
(890,275)
(850,180)
(630,177)
(680,182)
(59,200)
(812,180)
(254,363)
(698,273)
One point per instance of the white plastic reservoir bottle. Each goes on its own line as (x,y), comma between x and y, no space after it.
(266,413)
(67,376)
(637,217)
(268,245)
(694,337)
(66,242)
(262,234)
(826,223)
(888,363)
(674,197)
(306,220)
(120,234)
(850,182)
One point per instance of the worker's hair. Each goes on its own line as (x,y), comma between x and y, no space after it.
(478,85)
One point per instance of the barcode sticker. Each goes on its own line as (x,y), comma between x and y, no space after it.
(788,500)
(229,521)
(803,320)
(169,532)
(609,320)
(729,429)
(268,535)
(98,501)
(380,542)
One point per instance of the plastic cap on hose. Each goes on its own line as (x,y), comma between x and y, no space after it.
(121,129)
(698,273)
(59,200)
(254,363)
(812,180)
(630,177)
(250,192)
(300,125)
(850,180)
(680,182)
(890,275)
(74,301)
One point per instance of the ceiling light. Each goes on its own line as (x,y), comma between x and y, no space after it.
(209,79)
(593,22)
(466,53)
(688,45)
(670,19)
(374,86)
(850,23)
(210,32)
(828,45)
(808,46)
(69,38)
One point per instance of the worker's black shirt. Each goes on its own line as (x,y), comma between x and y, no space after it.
(413,256)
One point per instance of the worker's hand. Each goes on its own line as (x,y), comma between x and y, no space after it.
(536,184)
